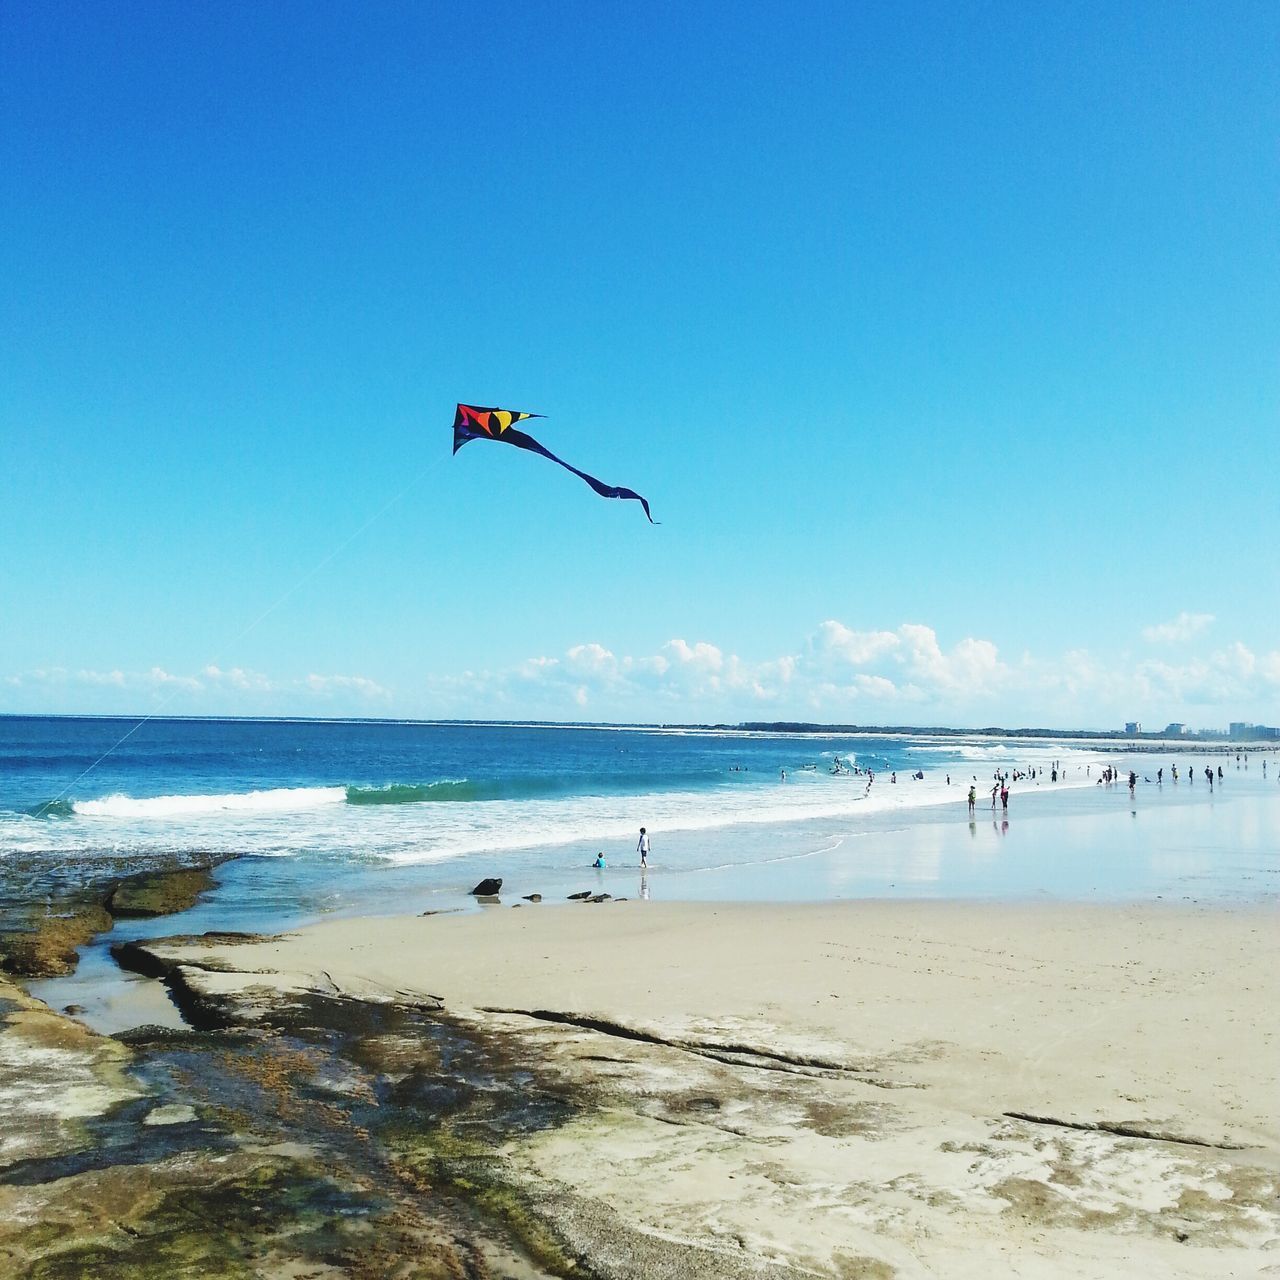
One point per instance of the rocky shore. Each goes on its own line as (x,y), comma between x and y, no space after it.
(317,1142)
(50,908)
(308,1147)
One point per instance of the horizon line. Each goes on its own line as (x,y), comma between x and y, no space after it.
(745,726)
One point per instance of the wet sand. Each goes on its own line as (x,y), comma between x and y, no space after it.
(860,1088)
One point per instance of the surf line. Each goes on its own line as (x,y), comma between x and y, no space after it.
(262,617)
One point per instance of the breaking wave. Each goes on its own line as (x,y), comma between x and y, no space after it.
(277,800)
(300,799)
(52,809)
(526,787)
(459,791)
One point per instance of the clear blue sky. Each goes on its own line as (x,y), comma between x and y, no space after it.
(942,339)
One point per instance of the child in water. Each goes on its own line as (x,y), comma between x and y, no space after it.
(599,862)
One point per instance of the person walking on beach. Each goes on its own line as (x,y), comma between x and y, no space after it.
(1004,798)
(643,848)
(973,799)
(995,791)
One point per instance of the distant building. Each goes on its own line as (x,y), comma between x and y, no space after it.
(1244,731)
(1133,726)
(1175,729)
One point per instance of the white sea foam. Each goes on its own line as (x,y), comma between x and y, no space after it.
(278,800)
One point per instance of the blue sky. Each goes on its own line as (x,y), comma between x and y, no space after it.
(942,339)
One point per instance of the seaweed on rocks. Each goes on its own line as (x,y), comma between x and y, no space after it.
(50,907)
(160,893)
(45,941)
(293,1146)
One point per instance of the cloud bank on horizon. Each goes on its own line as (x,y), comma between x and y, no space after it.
(838,673)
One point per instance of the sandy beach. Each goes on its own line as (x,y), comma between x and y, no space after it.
(853,1089)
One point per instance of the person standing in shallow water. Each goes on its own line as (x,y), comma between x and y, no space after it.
(973,799)
(1004,798)
(643,848)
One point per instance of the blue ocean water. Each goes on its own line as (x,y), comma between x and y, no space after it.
(386,762)
(412,791)
(361,816)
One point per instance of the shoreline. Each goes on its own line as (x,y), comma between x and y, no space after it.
(1064,845)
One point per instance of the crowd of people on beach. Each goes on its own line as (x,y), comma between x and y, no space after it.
(1108,776)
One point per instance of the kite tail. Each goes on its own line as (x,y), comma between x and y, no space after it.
(522,441)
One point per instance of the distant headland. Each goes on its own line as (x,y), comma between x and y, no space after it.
(1242,733)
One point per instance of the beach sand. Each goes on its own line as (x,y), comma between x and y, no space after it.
(857,1089)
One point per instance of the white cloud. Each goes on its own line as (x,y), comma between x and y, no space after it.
(909,661)
(591,659)
(1181,629)
(115,678)
(854,647)
(875,687)
(238,678)
(213,690)
(1235,660)
(535,668)
(361,685)
(700,657)
(161,679)
(868,676)
(838,673)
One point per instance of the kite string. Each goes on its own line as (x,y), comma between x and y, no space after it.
(266,613)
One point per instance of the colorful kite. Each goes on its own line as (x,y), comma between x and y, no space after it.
(474,423)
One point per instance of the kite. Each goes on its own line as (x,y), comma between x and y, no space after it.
(474,423)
